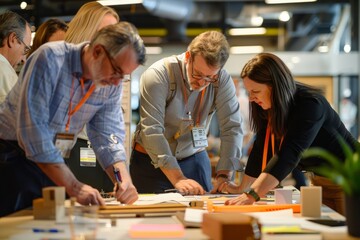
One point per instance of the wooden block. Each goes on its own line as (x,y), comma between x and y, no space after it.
(224,226)
(52,205)
(196,204)
(53,196)
(42,212)
(311,201)
(48,213)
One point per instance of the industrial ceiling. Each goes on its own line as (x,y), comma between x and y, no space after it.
(166,22)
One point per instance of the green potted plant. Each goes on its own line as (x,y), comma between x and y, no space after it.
(345,173)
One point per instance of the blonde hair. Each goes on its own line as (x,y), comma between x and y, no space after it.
(86,22)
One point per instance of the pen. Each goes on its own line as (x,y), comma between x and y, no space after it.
(47,230)
(173,190)
(117,175)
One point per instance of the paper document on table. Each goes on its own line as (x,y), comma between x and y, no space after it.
(162,198)
(194,215)
(286,218)
(149,199)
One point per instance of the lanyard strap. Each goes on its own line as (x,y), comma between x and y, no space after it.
(200,109)
(79,105)
(186,97)
(266,146)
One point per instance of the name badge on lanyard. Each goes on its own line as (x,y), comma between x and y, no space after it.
(64,142)
(199,137)
(87,157)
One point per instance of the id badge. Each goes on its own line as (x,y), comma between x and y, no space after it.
(64,142)
(87,157)
(199,137)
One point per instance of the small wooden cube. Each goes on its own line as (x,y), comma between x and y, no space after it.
(224,226)
(52,205)
(53,196)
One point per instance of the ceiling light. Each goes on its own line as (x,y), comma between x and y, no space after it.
(284,16)
(246,31)
(246,49)
(347,48)
(287,1)
(23,5)
(295,59)
(256,21)
(118,2)
(323,49)
(153,50)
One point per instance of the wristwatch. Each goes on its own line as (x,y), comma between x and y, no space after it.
(252,193)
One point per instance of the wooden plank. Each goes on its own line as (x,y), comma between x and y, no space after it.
(142,209)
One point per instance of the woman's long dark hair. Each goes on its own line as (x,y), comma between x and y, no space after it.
(267,68)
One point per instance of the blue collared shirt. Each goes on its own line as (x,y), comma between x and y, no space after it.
(37,107)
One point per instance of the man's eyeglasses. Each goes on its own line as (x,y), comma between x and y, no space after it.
(118,72)
(209,79)
(27,48)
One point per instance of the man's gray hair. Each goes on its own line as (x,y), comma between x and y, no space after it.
(11,22)
(117,36)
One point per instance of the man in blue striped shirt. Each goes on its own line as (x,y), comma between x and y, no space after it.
(61,88)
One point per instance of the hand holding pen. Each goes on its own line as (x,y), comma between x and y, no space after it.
(124,190)
(118,178)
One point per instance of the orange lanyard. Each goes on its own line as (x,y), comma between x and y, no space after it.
(186,96)
(200,109)
(266,146)
(200,103)
(79,105)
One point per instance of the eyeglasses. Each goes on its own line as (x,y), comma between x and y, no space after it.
(118,72)
(27,48)
(209,79)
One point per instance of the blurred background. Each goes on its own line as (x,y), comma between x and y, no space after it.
(319,40)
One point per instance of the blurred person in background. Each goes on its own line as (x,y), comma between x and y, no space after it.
(15,38)
(89,19)
(51,30)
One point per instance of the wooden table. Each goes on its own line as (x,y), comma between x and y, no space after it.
(12,227)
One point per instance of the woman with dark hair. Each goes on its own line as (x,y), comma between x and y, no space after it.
(287,117)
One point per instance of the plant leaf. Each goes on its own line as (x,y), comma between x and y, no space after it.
(345,173)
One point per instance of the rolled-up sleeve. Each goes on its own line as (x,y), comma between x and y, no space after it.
(106,131)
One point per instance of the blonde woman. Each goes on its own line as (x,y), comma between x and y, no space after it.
(89,19)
